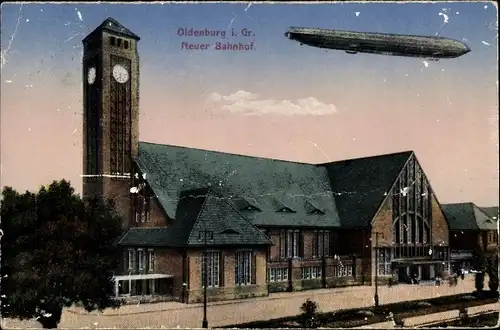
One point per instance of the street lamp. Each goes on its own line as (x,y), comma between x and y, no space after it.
(375,297)
(202,236)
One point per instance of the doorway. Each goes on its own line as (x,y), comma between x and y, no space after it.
(426,272)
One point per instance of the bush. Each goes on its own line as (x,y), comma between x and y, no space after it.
(309,310)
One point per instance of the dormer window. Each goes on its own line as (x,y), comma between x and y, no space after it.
(112,41)
(230,231)
(312,208)
(243,204)
(281,207)
(125,44)
(119,42)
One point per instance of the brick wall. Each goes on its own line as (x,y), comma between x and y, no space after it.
(440,232)
(382,224)
(169,262)
(116,189)
(229,290)
(463,240)
(157,217)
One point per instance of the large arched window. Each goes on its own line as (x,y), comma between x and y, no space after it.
(411,206)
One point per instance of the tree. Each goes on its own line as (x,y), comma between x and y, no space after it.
(57,250)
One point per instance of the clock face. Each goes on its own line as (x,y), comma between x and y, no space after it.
(91,76)
(120,74)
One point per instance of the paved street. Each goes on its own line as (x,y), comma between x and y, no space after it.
(171,315)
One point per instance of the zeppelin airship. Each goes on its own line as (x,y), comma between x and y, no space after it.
(433,48)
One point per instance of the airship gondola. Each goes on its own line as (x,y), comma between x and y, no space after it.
(433,48)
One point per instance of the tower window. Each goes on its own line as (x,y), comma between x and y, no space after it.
(112,41)
(125,43)
(119,42)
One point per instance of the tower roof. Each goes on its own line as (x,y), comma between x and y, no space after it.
(112,25)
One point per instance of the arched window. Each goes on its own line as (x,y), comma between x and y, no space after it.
(419,226)
(395,231)
(427,233)
(412,229)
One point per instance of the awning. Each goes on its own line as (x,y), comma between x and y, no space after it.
(141,277)
(418,262)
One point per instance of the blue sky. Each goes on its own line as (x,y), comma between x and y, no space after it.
(446,111)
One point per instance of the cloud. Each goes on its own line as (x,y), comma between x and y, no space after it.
(246,103)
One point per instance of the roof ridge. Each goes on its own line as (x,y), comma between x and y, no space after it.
(229,153)
(276,159)
(368,157)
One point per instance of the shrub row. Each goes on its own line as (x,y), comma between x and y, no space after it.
(369,315)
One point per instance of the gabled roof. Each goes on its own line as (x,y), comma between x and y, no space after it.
(226,224)
(467,216)
(361,185)
(172,169)
(112,25)
(199,210)
(348,193)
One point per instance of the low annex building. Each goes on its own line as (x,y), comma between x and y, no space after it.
(259,225)
(473,232)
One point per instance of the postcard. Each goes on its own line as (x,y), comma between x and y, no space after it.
(249,165)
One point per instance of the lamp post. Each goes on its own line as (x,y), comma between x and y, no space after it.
(202,236)
(375,297)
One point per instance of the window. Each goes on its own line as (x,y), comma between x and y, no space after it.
(395,231)
(125,44)
(142,205)
(277,274)
(309,273)
(212,273)
(321,243)
(289,244)
(140,253)
(112,41)
(151,260)
(342,270)
(411,206)
(119,42)
(418,229)
(243,269)
(131,259)
(384,262)
(427,233)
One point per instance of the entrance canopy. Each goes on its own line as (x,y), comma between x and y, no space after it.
(141,277)
(417,262)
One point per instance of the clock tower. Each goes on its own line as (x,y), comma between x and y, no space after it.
(110,114)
